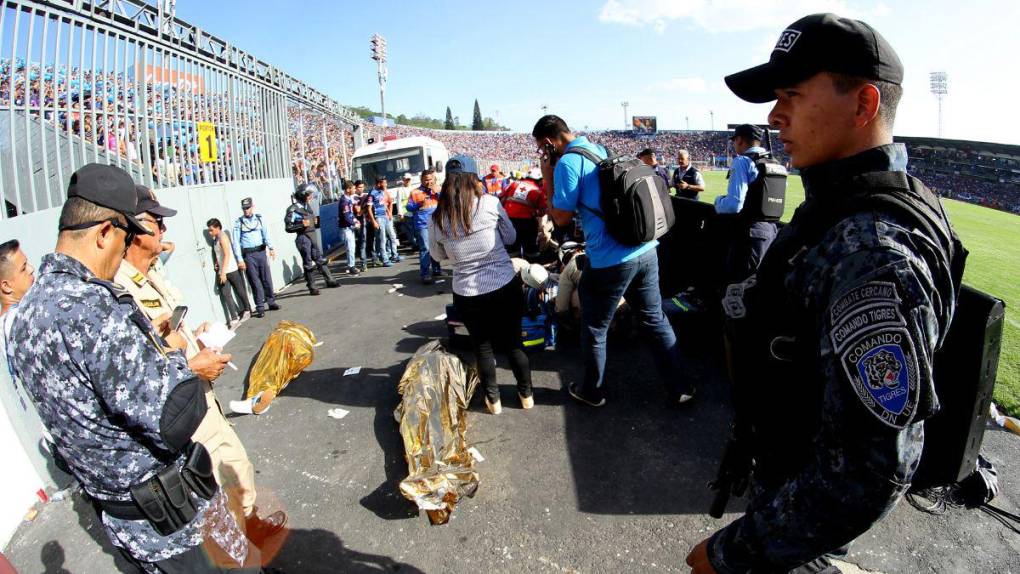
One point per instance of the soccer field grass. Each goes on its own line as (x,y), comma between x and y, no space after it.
(993,266)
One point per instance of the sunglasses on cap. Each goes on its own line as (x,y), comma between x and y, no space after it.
(129,236)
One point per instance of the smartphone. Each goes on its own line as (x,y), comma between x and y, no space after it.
(177,317)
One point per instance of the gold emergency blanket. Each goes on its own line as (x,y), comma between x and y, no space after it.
(288,351)
(436,389)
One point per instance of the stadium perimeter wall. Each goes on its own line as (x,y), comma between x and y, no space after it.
(190,268)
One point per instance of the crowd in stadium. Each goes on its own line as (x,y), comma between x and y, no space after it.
(108,101)
(101,107)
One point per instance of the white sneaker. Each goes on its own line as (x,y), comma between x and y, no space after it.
(527,402)
(494,408)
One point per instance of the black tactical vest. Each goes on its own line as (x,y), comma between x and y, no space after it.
(776,345)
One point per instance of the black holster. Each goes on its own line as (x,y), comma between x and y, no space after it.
(165,500)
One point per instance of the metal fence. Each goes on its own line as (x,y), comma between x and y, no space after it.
(107,81)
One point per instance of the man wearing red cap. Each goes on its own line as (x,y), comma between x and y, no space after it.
(495,182)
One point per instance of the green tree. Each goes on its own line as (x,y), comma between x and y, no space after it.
(449,125)
(476,122)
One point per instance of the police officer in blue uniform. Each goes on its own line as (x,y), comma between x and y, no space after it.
(833,337)
(250,252)
(119,401)
(300,219)
(750,236)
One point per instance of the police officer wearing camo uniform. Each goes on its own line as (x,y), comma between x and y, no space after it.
(300,219)
(119,402)
(833,337)
(250,252)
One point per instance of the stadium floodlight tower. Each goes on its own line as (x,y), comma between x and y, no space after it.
(939,88)
(626,124)
(379,55)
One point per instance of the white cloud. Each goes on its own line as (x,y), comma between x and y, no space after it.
(724,15)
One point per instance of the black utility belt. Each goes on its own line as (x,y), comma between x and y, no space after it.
(247,250)
(165,500)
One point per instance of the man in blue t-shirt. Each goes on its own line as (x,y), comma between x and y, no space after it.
(614,269)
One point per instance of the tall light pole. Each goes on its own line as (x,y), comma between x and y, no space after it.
(939,88)
(379,55)
(545,109)
(711,119)
(626,124)
(688,120)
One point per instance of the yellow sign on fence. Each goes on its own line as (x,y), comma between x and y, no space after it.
(207,149)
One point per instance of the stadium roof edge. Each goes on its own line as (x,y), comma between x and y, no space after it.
(993,147)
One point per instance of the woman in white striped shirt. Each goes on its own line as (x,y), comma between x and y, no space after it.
(470,230)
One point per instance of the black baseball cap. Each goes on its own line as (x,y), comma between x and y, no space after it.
(147,203)
(110,187)
(819,43)
(749,132)
(246,203)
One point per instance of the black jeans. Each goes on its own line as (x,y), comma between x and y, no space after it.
(236,303)
(493,321)
(527,238)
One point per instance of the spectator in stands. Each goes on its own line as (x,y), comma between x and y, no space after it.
(650,157)
(471,230)
(349,224)
(237,305)
(751,238)
(613,268)
(687,180)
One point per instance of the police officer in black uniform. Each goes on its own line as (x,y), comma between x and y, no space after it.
(300,219)
(687,180)
(833,337)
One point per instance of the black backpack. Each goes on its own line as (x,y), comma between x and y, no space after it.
(766,195)
(634,203)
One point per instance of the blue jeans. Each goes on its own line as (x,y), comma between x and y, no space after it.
(637,281)
(385,241)
(349,240)
(426,264)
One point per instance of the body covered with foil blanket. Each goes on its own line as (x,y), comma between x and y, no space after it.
(436,389)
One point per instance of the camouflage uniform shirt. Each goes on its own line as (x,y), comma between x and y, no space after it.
(875,293)
(99,376)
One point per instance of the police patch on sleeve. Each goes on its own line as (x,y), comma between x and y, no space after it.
(881,365)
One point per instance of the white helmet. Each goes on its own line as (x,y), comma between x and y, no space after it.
(534,276)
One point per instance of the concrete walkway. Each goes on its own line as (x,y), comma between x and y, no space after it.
(563,488)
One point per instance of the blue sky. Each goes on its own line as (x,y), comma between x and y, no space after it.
(666,57)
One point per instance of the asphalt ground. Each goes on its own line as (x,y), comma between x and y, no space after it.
(564,488)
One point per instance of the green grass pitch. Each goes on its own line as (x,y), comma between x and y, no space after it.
(993,239)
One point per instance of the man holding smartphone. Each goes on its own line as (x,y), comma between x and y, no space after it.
(164,306)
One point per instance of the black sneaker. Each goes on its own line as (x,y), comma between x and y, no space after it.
(274,307)
(259,314)
(594,399)
(427,280)
(352,271)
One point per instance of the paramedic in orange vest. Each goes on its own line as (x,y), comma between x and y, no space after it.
(495,182)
